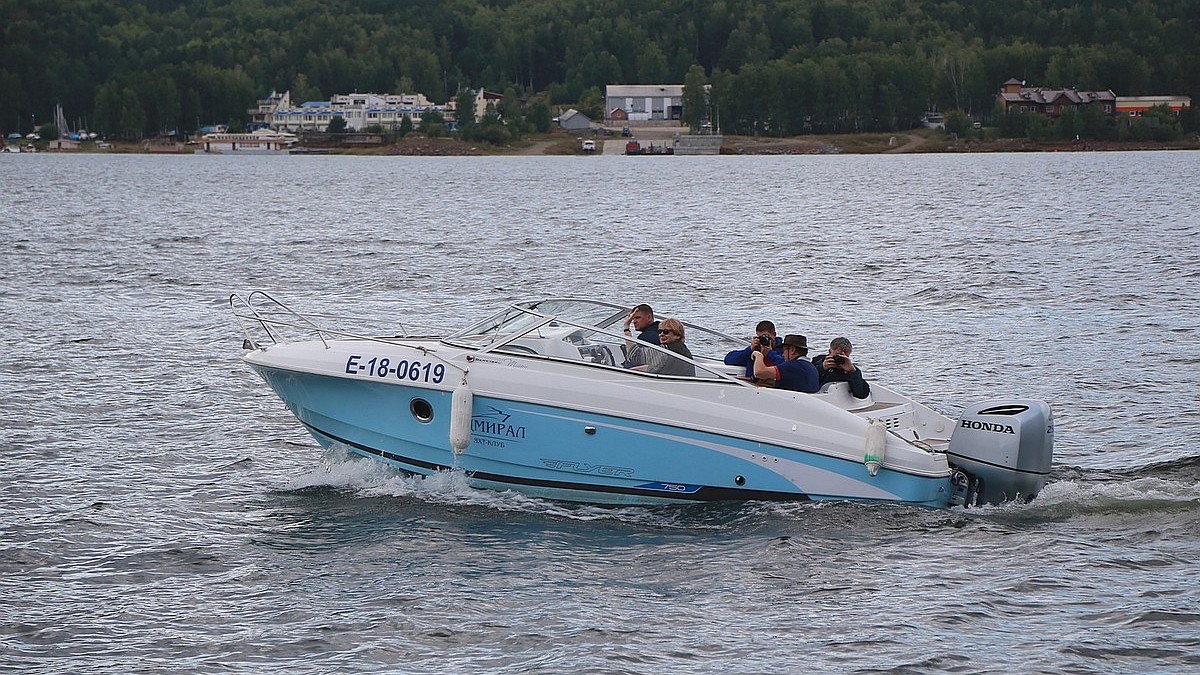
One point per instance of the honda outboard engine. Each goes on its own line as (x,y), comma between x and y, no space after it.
(1005,448)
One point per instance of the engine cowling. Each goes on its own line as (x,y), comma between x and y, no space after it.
(1006,447)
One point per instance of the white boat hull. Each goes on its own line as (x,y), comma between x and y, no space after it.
(576,430)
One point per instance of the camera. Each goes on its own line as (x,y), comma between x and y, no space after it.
(838,359)
(765,340)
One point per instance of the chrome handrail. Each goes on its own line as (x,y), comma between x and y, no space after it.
(270,326)
(266,323)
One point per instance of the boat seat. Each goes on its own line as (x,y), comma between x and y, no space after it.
(838,394)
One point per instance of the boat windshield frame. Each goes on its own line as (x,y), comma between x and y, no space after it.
(519,318)
(596,318)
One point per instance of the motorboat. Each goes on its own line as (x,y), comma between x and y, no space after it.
(537,398)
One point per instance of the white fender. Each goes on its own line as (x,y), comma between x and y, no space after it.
(460,418)
(876,446)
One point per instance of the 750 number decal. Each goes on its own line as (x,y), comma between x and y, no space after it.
(415,371)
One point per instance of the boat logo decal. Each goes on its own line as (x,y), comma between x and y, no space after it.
(510,363)
(584,467)
(492,427)
(681,488)
(988,426)
(493,413)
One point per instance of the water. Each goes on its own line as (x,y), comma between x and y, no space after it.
(163,513)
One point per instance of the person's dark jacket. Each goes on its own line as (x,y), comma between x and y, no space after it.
(648,334)
(858,386)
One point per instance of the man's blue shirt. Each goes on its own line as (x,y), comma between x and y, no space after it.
(741,357)
(798,375)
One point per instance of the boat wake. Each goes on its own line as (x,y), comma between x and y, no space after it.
(1185,471)
(1165,495)
(366,478)
(1169,490)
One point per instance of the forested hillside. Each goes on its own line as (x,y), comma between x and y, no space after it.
(778,66)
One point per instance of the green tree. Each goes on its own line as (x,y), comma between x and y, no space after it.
(1069,125)
(1039,128)
(1189,119)
(1095,124)
(695,98)
(493,130)
(652,65)
(336,125)
(958,123)
(538,115)
(510,110)
(464,109)
(1162,124)
(107,118)
(132,119)
(302,91)
(749,43)
(591,103)
(432,124)
(1013,124)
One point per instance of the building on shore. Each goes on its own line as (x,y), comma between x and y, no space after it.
(360,111)
(573,120)
(1014,96)
(643,102)
(1136,106)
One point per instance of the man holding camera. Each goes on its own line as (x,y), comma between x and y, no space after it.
(796,373)
(764,336)
(836,366)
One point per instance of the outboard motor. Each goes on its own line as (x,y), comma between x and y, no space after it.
(1005,447)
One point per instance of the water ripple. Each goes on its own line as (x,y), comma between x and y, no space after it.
(164,513)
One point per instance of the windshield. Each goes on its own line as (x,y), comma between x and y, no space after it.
(589,331)
(524,316)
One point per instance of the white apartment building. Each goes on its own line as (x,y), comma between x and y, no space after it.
(359,110)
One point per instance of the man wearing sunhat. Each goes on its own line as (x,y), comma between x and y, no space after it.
(796,373)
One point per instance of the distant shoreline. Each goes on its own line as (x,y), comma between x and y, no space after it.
(564,143)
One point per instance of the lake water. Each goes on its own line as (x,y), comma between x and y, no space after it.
(162,512)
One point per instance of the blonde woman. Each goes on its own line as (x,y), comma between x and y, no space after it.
(670,336)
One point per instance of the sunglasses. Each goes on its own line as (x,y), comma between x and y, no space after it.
(664,331)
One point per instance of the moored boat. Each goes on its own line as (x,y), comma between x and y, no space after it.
(535,398)
(258,142)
